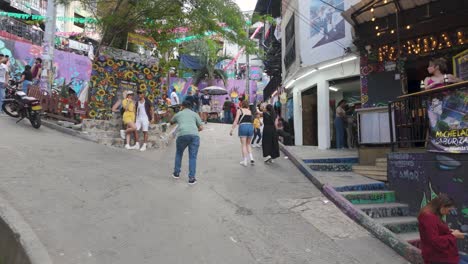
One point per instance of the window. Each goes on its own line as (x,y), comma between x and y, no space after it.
(290,54)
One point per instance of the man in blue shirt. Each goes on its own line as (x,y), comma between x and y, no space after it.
(189,125)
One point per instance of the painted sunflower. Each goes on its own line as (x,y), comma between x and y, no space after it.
(95,66)
(92,114)
(110,62)
(151,98)
(155,68)
(129,75)
(94,78)
(111,80)
(143,87)
(147,71)
(157,93)
(101,92)
(152,83)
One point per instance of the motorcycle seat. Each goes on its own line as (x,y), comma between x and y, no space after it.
(28,99)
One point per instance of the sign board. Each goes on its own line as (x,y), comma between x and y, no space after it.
(73,44)
(448,119)
(460,65)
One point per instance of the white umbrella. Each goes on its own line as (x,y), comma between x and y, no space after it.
(215,90)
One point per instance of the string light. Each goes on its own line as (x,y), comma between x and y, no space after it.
(372,10)
(373,19)
(392,31)
(408,27)
(376,27)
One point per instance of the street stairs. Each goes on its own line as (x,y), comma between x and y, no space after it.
(373,198)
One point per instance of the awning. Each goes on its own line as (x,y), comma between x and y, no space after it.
(271,87)
(362,11)
(270,7)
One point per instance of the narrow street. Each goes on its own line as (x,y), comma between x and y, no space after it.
(91,204)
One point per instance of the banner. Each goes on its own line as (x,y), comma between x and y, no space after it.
(141,40)
(448,119)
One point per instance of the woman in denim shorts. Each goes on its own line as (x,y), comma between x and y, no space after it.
(246,131)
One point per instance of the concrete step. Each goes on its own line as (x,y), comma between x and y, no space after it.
(369,168)
(370,197)
(384,210)
(331,166)
(333,160)
(400,224)
(362,187)
(381,164)
(381,160)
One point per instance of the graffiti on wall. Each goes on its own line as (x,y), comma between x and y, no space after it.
(68,67)
(110,77)
(419,177)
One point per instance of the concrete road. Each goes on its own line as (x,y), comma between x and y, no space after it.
(92,204)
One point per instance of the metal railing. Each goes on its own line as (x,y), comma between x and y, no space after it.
(408,116)
(20,29)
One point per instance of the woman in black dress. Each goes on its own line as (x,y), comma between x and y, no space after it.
(270,143)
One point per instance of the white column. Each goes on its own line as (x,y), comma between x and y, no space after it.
(297,101)
(323,96)
(48,45)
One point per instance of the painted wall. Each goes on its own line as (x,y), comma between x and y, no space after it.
(321,80)
(418,177)
(69,67)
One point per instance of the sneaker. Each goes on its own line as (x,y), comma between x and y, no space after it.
(127,146)
(268,158)
(137,146)
(143,148)
(243,163)
(175,176)
(192,181)
(252,162)
(122,134)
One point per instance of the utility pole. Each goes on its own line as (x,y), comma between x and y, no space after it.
(47,76)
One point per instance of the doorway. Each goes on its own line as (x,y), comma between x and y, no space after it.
(310,117)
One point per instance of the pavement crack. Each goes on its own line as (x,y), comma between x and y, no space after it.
(240,210)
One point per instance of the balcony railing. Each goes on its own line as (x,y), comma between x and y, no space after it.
(22,30)
(409,119)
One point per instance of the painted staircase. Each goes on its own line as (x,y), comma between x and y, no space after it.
(379,203)
(332,164)
(377,172)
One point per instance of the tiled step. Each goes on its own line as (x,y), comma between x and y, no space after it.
(331,166)
(381,164)
(384,210)
(370,197)
(332,160)
(401,224)
(362,187)
(369,168)
(381,160)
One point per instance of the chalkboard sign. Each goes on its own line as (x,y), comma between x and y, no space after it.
(382,88)
(460,65)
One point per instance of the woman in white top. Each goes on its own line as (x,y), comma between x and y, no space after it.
(340,124)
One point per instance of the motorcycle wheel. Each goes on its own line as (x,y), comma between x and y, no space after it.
(11,109)
(35,121)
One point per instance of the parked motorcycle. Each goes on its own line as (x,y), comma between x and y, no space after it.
(22,106)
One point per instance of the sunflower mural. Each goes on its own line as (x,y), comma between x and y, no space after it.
(107,78)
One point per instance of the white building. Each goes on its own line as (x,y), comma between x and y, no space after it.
(319,66)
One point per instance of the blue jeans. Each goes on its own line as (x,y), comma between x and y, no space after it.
(463,259)
(340,136)
(228,117)
(26,84)
(2,95)
(193,143)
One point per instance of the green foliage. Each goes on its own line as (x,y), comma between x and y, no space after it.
(442,126)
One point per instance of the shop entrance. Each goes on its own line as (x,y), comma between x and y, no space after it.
(348,89)
(309,117)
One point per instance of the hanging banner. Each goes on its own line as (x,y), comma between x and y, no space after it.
(148,42)
(448,119)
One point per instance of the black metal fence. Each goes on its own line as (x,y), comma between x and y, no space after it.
(21,29)
(408,116)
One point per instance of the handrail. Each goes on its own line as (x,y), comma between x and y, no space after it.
(436,90)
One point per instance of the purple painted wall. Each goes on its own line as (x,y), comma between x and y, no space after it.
(418,177)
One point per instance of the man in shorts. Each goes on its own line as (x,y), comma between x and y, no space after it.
(206,106)
(144,115)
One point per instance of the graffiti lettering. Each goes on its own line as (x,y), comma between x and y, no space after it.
(460,141)
(409,175)
(403,163)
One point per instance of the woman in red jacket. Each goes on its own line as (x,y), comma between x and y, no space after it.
(438,242)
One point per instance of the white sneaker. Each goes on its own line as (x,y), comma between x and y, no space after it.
(136,146)
(243,163)
(268,158)
(122,134)
(127,146)
(143,148)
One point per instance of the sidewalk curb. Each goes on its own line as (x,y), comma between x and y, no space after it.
(24,236)
(403,248)
(65,130)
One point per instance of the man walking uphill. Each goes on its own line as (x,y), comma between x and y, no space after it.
(189,124)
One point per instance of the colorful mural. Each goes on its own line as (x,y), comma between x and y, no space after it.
(110,77)
(70,68)
(419,177)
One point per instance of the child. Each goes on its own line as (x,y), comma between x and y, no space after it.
(257,124)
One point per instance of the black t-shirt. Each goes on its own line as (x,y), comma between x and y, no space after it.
(191,99)
(206,99)
(27,76)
